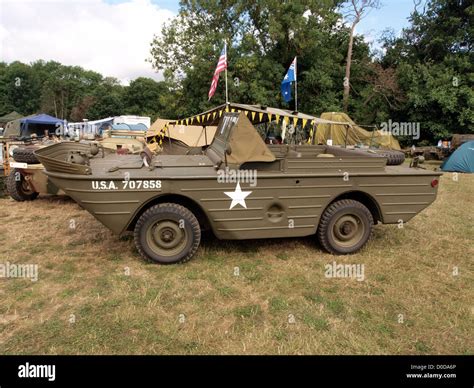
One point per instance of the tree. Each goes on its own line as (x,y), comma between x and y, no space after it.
(264,36)
(434,64)
(21,89)
(109,100)
(65,87)
(145,97)
(79,112)
(357,10)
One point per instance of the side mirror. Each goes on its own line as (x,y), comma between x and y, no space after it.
(228,150)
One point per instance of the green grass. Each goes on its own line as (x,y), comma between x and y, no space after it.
(95,295)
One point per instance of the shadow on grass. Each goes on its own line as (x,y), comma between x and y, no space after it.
(55,199)
(209,241)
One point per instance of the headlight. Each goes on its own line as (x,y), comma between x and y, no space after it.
(11,149)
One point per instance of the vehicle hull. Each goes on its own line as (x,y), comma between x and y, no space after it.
(286,203)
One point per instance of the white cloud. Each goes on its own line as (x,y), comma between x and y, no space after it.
(112,39)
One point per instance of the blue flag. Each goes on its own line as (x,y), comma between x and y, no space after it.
(286,83)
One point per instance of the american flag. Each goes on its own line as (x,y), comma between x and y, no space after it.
(221,66)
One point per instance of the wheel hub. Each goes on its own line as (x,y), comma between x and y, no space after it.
(348,230)
(166,237)
(25,186)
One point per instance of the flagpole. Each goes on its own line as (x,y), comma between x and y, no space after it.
(226,88)
(296,86)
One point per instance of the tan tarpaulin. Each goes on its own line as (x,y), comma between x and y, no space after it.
(247,145)
(352,134)
(191,135)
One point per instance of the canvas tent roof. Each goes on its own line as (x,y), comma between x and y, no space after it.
(331,125)
(343,134)
(462,160)
(10,117)
(42,118)
(13,128)
(255,113)
(191,135)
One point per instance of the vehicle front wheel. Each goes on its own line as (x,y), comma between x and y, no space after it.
(167,234)
(18,187)
(345,227)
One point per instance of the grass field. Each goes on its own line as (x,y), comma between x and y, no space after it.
(94,294)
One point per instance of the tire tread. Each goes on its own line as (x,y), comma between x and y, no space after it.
(181,211)
(326,219)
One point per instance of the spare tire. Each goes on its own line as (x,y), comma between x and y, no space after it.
(25,155)
(394,158)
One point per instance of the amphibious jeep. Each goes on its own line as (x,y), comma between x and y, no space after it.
(240,188)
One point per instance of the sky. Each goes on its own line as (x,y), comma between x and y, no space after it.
(113,37)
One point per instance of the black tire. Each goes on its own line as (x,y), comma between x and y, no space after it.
(167,234)
(18,188)
(340,221)
(25,155)
(394,158)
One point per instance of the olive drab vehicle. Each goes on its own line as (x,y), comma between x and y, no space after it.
(240,188)
(25,174)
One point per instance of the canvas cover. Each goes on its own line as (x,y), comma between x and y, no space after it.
(237,134)
(247,144)
(355,135)
(462,160)
(191,135)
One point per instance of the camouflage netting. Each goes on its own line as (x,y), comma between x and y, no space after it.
(355,134)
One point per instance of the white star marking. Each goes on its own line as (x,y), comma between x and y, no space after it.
(238,196)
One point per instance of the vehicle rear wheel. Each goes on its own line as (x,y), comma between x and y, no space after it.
(167,233)
(18,187)
(345,227)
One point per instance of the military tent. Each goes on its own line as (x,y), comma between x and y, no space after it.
(257,114)
(462,160)
(35,124)
(349,133)
(9,117)
(190,135)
